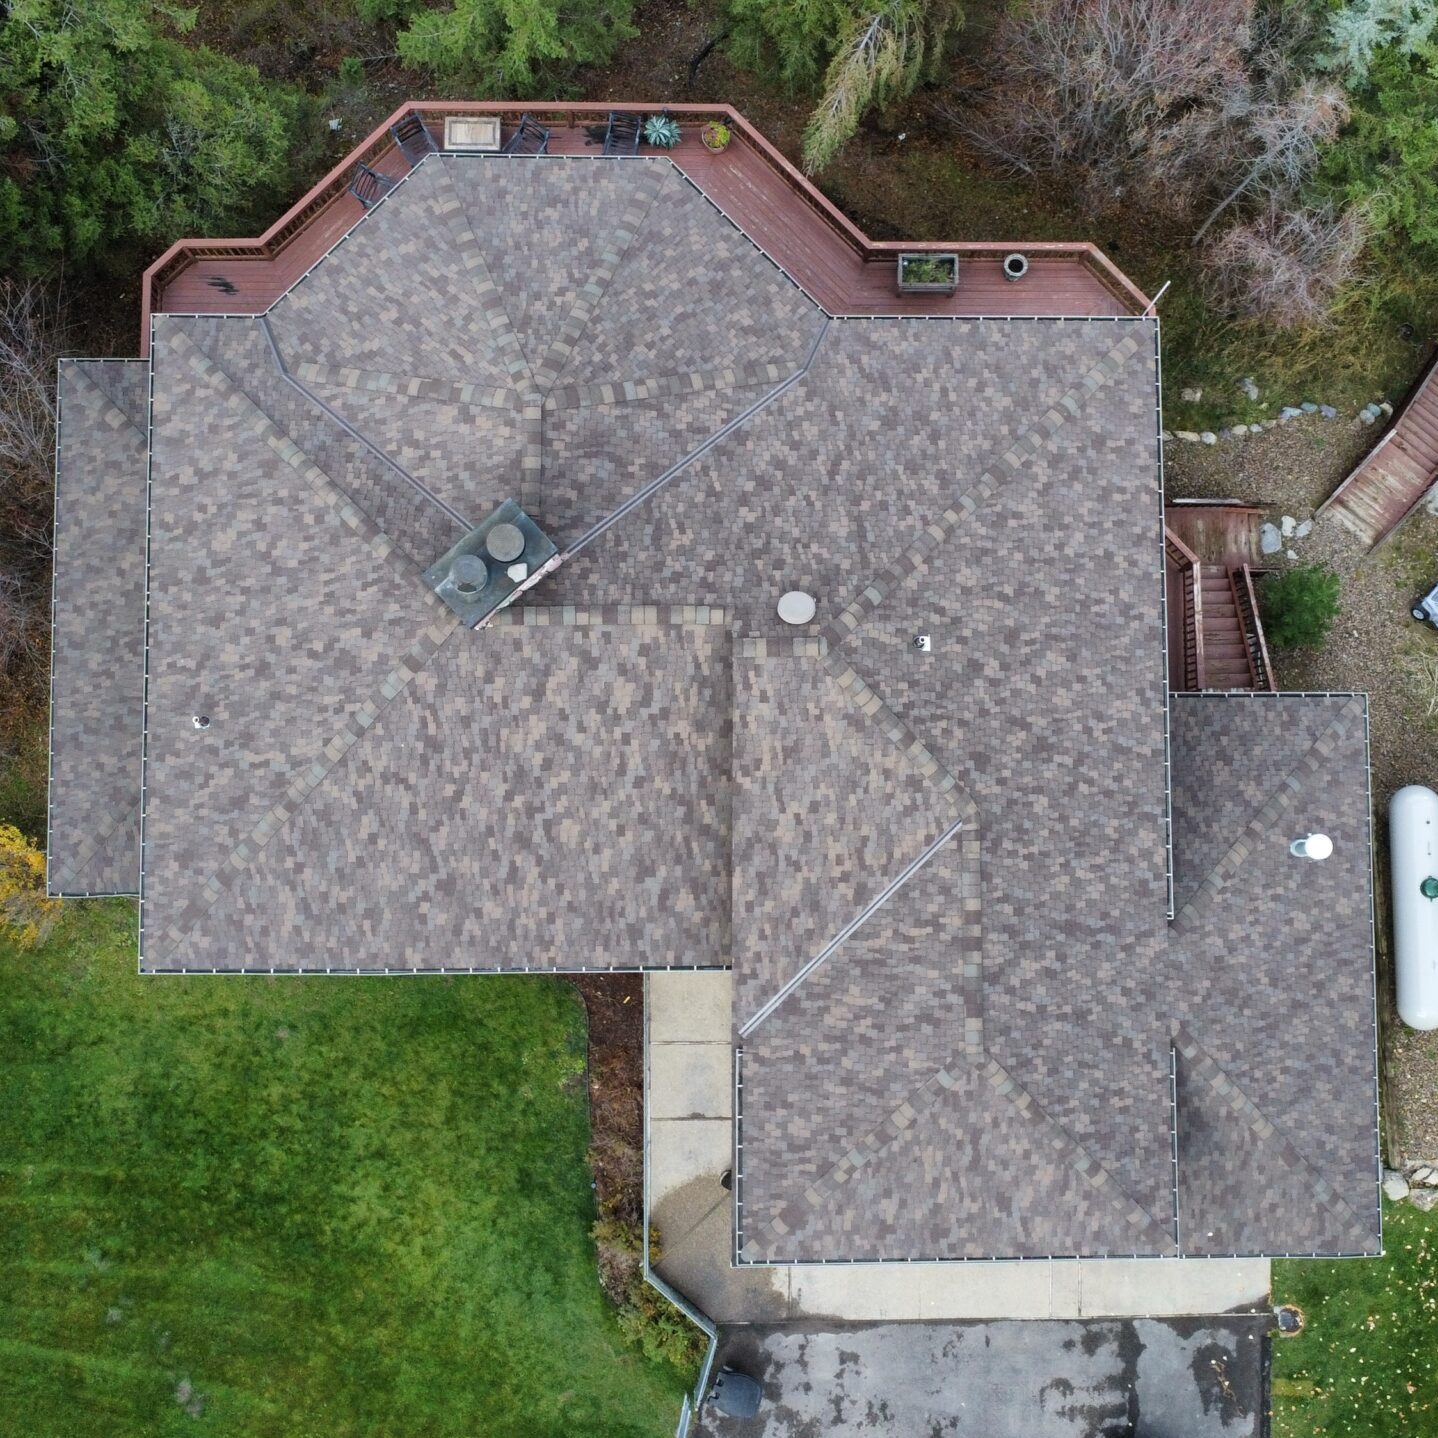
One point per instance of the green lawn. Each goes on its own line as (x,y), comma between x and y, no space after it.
(1367,1363)
(306,1207)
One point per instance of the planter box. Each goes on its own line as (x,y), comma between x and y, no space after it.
(917,274)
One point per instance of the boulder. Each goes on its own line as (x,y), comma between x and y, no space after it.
(1188,436)
(1366,416)
(1250,390)
(1386,408)
(1190,395)
(1422,1174)
(1423,1199)
(1288,525)
(1208,437)
(1238,431)
(1289,411)
(1270,541)
(1303,530)
(1327,411)
(1395,1186)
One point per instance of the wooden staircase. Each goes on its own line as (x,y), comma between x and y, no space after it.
(1393,478)
(1226,662)
(1215,634)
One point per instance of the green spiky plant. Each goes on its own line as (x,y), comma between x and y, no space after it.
(661,131)
(1299,606)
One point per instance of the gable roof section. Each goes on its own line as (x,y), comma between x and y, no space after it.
(97,666)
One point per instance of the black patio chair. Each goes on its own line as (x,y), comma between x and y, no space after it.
(531,138)
(369,187)
(413,138)
(621,135)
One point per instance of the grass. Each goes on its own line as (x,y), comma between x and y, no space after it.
(1367,1363)
(286,1207)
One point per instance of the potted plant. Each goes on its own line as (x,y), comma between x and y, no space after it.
(716,136)
(922,273)
(661,131)
(1015,266)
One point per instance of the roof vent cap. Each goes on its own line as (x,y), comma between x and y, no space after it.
(470,574)
(796,607)
(505,543)
(1311,846)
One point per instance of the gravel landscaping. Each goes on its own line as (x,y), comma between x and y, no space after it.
(1375,646)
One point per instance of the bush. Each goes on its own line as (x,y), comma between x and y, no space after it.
(26,915)
(1299,606)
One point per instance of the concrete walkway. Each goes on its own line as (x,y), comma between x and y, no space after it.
(690,1096)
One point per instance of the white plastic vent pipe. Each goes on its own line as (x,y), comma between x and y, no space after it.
(1413,845)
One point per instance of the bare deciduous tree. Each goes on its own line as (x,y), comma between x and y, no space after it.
(1283,138)
(31,339)
(1286,265)
(1118,95)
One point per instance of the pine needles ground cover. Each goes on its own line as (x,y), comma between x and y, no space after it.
(1366,1364)
(289,1207)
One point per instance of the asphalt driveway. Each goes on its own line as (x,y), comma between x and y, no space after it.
(1120,1378)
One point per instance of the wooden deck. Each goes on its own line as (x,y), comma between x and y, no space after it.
(1397,473)
(1215,635)
(754,185)
(1218,532)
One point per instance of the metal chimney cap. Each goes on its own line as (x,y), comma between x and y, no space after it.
(1311,846)
(505,542)
(796,607)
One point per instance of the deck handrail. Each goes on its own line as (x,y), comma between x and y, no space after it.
(1185,561)
(1245,599)
(569,113)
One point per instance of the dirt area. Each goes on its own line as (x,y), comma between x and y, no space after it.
(1375,647)
(615,1004)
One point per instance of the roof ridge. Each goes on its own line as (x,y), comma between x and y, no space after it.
(666,386)
(1068,406)
(443,391)
(353,728)
(911,1110)
(507,348)
(108,411)
(1218,1079)
(1277,804)
(636,207)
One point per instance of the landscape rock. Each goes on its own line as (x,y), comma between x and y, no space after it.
(1168,434)
(1395,1186)
(1190,395)
(1250,390)
(1308,407)
(1422,1174)
(1187,435)
(1424,1199)
(1303,530)
(1288,525)
(1290,554)
(1327,411)
(1289,411)
(1270,541)
(1238,431)
(1366,416)
(1386,408)
(1208,437)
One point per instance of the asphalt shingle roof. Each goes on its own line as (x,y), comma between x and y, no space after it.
(964,1024)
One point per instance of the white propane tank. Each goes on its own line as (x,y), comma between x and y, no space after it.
(1413,845)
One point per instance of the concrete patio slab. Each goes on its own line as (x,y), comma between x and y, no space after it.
(1001,1380)
(691,1081)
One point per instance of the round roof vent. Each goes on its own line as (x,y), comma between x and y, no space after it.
(505,543)
(470,574)
(796,607)
(1311,846)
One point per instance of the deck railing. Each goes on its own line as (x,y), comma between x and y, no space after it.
(375,147)
(1185,562)
(1245,599)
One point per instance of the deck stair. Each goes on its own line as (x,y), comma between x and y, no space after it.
(1391,481)
(1226,663)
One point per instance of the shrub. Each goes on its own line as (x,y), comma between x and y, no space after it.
(1286,266)
(26,914)
(1299,606)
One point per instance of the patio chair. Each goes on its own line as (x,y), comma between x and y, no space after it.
(621,135)
(531,138)
(413,138)
(369,187)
